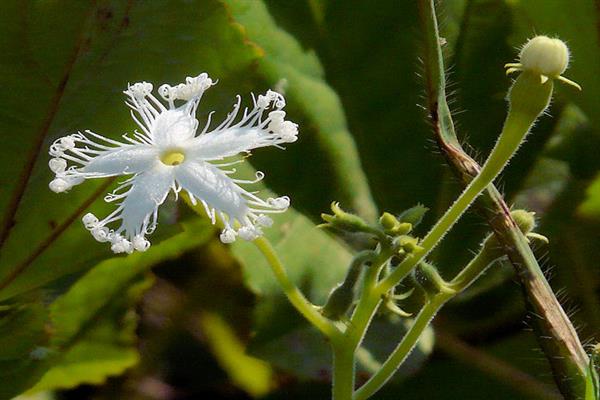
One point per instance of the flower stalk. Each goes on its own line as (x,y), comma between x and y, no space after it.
(294,295)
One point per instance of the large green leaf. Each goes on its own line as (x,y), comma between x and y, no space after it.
(94,322)
(23,337)
(323,124)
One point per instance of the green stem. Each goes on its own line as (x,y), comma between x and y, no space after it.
(346,346)
(528,99)
(343,370)
(294,295)
(553,329)
(403,349)
(370,297)
(463,280)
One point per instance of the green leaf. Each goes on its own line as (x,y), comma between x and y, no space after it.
(23,341)
(69,62)
(247,372)
(592,383)
(591,206)
(88,363)
(323,125)
(94,322)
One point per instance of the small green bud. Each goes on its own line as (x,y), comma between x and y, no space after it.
(392,226)
(341,298)
(414,215)
(409,244)
(525,220)
(345,221)
(404,228)
(388,221)
(339,302)
(430,280)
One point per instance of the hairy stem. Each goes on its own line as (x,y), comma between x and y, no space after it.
(409,341)
(343,370)
(463,280)
(553,328)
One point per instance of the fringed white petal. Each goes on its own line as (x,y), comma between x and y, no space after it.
(138,212)
(211,185)
(242,212)
(83,156)
(252,131)
(148,191)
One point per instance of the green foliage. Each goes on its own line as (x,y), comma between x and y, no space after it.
(301,77)
(22,335)
(349,71)
(592,387)
(93,324)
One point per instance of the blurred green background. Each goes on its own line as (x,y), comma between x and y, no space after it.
(193,318)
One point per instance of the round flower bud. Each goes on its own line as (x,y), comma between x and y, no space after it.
(525,220)
(545,56)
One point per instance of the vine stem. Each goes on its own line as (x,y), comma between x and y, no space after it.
(343,370)
(515,129)
(403,349)
(294,295)
(449,289)
(554,331)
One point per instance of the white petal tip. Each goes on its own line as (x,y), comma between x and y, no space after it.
(140,243)
(249,233)
(121,245)
(59,185)
(101,234)
(227,236)
(90,221)
(139,90)
(57,165)
(263,220)
(280,203)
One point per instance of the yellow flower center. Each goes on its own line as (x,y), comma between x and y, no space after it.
(172,157)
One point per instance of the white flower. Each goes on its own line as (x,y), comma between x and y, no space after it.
(168,154)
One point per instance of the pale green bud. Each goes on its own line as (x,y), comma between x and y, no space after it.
(525,220)
(545,56)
